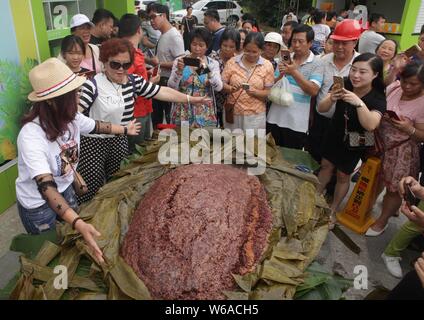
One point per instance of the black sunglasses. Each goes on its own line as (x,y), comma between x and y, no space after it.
(117,65)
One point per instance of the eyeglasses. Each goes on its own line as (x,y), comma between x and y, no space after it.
(117,65)
(154,16)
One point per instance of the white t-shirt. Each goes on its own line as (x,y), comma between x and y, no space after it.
(169,47)
(322,31)
(37,155)
(369,41)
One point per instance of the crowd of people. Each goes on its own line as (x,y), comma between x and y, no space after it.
(343,82)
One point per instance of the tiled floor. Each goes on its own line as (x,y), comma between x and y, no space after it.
(10,226)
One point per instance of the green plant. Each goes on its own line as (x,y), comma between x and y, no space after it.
(14,89)
(321,285)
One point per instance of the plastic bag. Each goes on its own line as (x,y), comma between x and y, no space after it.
(280,93)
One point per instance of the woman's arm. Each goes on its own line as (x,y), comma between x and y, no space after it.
(48,190)
(415,131)
(176,74)
(327,103)
(259,94)
(215,76)
(132,129)
(369,120)
(171,95)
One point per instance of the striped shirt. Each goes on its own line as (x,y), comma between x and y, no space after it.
(107,101)
(296,117)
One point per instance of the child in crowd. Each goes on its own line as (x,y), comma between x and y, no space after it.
(73,51)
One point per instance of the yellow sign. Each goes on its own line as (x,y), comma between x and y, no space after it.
(357,213)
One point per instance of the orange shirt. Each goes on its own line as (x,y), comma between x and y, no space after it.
(263,78)
(142,106)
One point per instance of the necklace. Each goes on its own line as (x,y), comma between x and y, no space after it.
(113,85)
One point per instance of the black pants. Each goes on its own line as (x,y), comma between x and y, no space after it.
(409,288)
(161,108)
(316,135)
(286,137)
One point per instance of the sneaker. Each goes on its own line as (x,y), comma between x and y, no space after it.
(393,265)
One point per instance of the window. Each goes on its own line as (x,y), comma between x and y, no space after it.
(420,18)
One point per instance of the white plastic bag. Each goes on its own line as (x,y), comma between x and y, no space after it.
(280,93)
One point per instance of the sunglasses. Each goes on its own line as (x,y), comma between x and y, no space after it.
(152,17)
(117,65)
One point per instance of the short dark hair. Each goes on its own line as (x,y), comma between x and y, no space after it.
(247,16)
(244,31)
(212,13)
(412,69)
(189,7)
(142,14)
(69,42)
(310,34)
(374,17)
(248,21)
(128,25)
(201,33)
(158,8)
(231,34)
(331,15)
(422,30)
(292,24)
(102,14)
(318,15)
(256,38)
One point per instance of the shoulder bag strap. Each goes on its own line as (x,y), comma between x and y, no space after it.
(248,79)
(93,61)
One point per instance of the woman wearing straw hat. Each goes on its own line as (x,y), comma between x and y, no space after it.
(48,151)
(110,96)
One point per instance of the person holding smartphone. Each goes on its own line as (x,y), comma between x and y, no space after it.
(110,97)
(197,75)
(411,287)
(401,141)
(359,107)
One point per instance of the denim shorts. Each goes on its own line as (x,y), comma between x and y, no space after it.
(43,218)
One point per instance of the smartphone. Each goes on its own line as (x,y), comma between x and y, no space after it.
(409,197)
(412,51)
(338,83)
(245,86)
(285,56)
(156,71)
(392,115)
(192,62)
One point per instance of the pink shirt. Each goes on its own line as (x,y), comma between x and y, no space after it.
(88,62)
(413,109)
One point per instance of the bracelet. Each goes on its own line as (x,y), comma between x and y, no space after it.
(125,131)
(188,99)
(75,221)
(413,131)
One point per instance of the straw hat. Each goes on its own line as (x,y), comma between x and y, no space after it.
(51,79)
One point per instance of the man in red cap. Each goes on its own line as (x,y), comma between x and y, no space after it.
(338,63)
